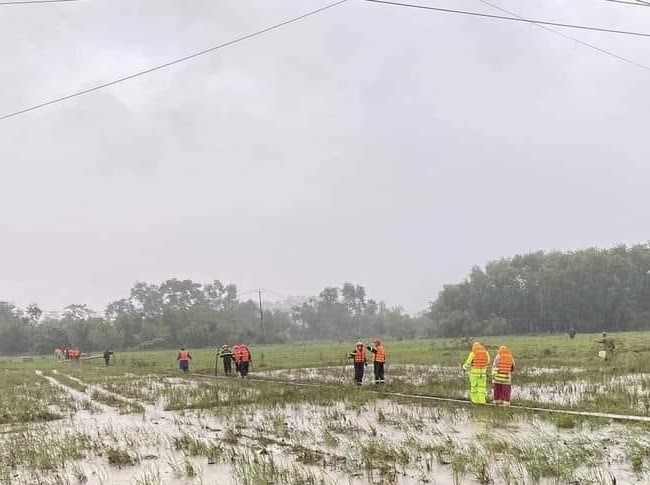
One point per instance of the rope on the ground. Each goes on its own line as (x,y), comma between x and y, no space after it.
(589,414)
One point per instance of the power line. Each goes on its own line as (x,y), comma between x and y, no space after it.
(636,4)
(513,19)
(173,62)
(574,39)
(34,2)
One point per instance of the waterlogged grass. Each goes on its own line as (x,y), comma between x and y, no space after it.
(41,450)
(120,457)
(229,394)
(67,381)
(124,407)
(254,469)
(270,432)
(191,446)
(27,397)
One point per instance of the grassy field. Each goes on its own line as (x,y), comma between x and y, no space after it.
(141,421)
(633,350)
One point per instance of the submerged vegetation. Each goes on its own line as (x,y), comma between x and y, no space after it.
(140,421)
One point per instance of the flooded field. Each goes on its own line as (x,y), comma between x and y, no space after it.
(570,388)
(74,425)
(402,373)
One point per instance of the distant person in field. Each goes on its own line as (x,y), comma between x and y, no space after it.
(359,358)
(58,354)
(183,359)
(608,345)
(226,355)
(236,357)
(379,360)
(572,333)
(107,357)
(502,369)
(477,363)
(245,359)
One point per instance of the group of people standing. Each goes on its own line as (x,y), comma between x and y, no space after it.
(360,361)
(240,354)
(478,364)
(67,354)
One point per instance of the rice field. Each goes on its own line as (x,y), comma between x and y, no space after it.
(141,421)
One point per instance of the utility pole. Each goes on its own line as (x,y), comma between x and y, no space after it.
(261,316)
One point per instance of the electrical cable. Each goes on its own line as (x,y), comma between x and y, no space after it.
(35,2)
(512,19)
(574,39)
(172,62)
(636,4)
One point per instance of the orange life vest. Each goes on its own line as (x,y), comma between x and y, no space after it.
(183,355)
(236,353)
(480,360)
(244,354)
(360,355)
(380,353)
(505,363)
(502,372)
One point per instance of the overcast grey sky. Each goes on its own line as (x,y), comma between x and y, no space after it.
(390,147)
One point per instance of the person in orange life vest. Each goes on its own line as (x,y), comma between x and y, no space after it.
(502,369)
(359,356)
(477,362)
(379,360)
(245,360)
(183,359)
(236,356)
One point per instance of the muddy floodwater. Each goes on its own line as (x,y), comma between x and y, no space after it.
(168,430)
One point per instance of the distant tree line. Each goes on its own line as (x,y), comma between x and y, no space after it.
(185,313)
(592,290)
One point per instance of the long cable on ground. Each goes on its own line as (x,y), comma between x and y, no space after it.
(512,19)
(173,62)
(450,400)
(569,37)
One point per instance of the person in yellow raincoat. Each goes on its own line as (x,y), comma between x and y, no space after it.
(477,363)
